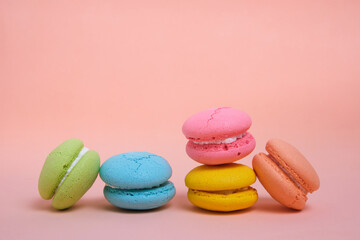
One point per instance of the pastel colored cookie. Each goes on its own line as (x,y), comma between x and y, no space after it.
(221,188)
(218,136)
(140,199)
(137,180)
(68,172)
(286,174)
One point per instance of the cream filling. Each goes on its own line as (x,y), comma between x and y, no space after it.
(231,191)
(77,159)
(226,141)
(287,173)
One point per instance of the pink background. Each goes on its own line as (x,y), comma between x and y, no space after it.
(124,75)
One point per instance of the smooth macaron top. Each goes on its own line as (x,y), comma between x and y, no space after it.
(221,177)
(295,163)
(135,170)
(56,165)
(216,124)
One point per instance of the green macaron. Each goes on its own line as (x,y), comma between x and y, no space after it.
(68,173)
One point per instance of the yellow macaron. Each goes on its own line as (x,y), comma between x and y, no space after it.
(221,188)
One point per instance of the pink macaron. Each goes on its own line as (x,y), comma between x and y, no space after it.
(218,136)
(285,174)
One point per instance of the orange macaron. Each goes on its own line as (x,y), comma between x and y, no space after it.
(285,174)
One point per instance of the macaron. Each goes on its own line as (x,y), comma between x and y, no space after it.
(137,181)
(68,173)
(286,174)
(221,188)
(218,136)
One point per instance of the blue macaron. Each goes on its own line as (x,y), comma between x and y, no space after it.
(137,180)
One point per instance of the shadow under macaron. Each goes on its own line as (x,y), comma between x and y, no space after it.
(111,208)
(99,203)
(181,202)
(267,204)
(41,205)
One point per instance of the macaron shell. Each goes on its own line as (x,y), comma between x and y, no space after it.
(56,165)
(135,170)
(295,163)
(214,154)
(141,199)
(216,123)
(222,202)
(277,183)
(78,182)
(222,177)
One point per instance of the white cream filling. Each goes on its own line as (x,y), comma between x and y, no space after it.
(226,141)
(77,159)
(287,173)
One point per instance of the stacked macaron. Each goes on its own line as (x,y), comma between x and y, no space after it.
(217,138)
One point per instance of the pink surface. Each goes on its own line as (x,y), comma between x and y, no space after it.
(213,154)
(124,76)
